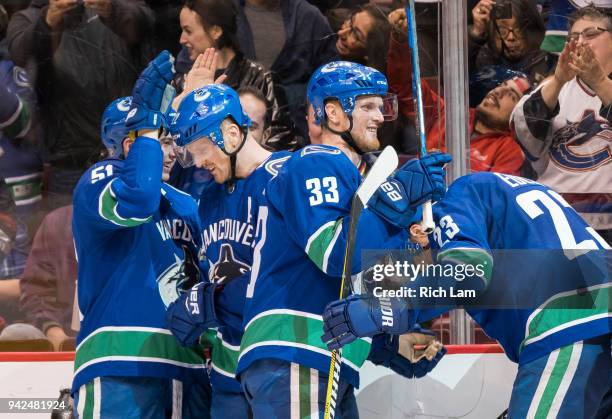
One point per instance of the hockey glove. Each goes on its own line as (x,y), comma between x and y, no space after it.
(388,350)
(192,313)
(152,94)
(358,316)
(424,179)
(391,203)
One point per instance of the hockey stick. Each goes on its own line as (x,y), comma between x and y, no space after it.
(384,166)
(427,223)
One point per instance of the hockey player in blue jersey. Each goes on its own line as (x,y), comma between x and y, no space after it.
(212,133)
(297,264)
(131,231)
(559,333)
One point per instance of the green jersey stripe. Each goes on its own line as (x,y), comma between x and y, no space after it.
(554,41)
(107,208)
(469,256)
(321,243)
(554,381)
(89,400)
(299,330)
(304,391)
(224,355)
(568,309)
(133,345)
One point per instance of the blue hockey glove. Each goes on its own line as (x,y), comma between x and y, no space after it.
(361,316)
(152,94)
(392,351)
(192,313)
(391,203)
(424,179)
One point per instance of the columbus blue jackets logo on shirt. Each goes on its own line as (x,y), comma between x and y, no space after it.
(227,267)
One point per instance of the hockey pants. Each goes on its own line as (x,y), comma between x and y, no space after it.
(568,383)
(278,389)
(141,398)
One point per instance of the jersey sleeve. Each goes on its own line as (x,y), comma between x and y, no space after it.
(120,196)
(460,236)
(313,192)
(531,124)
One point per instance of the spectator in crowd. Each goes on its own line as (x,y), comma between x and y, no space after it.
(48,282)
(492,147)
(80,56)
(508,33)
(364,37)
(20,178)
(255,105)
(556,26)
(564,125)
(213,23)
(292,38)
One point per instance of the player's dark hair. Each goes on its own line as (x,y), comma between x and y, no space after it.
(591,12)
(257,94)
(222,13)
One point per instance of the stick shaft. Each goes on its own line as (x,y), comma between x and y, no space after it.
(427,221)
(378,174)
(336,355)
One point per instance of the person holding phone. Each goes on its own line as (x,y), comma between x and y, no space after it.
(507,32)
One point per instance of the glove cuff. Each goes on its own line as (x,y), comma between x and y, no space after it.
(138,120)
(207,304)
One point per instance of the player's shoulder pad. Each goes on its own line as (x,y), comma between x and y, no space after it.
(463,183)
(320,159)
(100,174)
(93,183)
(276,161)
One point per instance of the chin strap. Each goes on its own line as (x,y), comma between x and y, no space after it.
(231,182)
(345,135)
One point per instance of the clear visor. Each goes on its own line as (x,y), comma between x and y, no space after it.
(389,107)
(183,156)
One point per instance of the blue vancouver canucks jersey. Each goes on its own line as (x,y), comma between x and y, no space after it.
(483,217)
(130,234)
(297,265)
(229,236)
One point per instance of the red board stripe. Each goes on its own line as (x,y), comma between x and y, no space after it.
(69,356)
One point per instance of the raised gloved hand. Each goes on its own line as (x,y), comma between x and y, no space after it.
(403,355)
(391,203)
(152,94)
(423,179)
(192,313)
(361,316)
